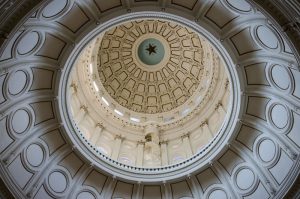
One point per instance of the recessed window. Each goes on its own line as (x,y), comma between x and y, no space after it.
(135,119)
(168,119)
(178,158)
(199,98)
(95,86)
(119,112)
(102,150)
(185,111)
(125,160)
(105,101)
(91,68)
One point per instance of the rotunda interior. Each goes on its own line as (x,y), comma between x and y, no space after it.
(149,99)
(138,107)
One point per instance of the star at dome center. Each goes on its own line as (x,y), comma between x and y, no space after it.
(151,52)
(151,49)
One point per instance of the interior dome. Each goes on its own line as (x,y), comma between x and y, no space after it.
(63,134)
(158,81)
(160,114)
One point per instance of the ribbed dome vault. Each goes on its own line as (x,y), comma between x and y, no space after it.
(69,130)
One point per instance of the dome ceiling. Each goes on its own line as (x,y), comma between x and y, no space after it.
(41,156)
(111,61)
(145,87)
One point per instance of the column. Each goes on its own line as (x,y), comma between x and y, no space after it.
(117,146)
(187,145)
(73,88)
(72,95)
(164,154)
(221,110)
(80,114)
(152,152)
(97,133)
(138,191)
(109,187)
(227,85)
(140,154)
(166,189)
(206,129)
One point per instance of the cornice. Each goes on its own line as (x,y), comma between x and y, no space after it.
(294,192)
(12,13)
(4,192)
(286,17)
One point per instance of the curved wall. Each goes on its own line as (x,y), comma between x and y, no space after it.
(38,161)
